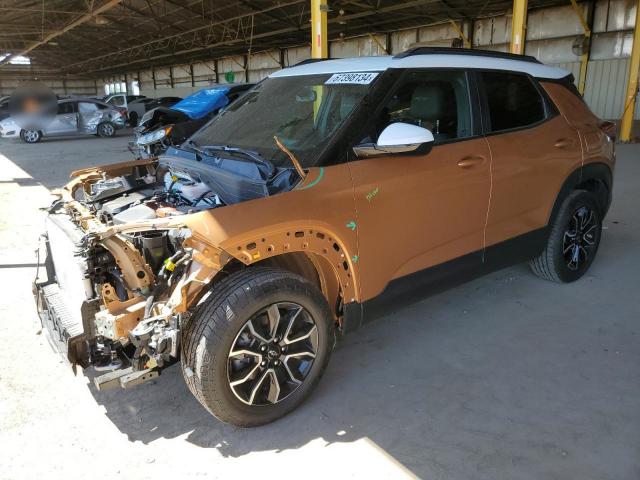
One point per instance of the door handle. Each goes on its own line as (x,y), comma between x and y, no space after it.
(563,143)
(471,161)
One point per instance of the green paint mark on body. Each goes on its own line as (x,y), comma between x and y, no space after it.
(316,181)
(355,259)
(352,225)
(370,196)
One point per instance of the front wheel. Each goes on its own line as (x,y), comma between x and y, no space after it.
(106,129)
(573,240)
(257,346)
(30,136)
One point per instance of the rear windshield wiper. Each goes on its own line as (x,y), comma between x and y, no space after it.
(255,156)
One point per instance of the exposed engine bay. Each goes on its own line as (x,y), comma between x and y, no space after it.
(123,268)
(177,186)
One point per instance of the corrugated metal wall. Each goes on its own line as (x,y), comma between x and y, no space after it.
(71,86)
(551,33)
(606,85)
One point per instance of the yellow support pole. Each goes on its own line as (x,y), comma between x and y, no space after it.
(378,43)
(584,59)
(632,83)
(518,26)
(465,41)
(319,43)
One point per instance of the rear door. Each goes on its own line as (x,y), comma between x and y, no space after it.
(89,116)
(66,120)
(533,149)
(416,211)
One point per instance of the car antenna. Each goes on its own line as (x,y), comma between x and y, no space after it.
(293,158)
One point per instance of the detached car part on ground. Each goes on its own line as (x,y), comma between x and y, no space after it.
(162,127)
(75,116)
(326,188)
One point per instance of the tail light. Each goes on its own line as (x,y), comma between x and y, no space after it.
(122,111)
(609,128)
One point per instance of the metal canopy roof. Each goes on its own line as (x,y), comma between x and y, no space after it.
(124,35)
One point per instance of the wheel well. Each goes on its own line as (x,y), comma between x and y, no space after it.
(597,187)
(313,268)
(295,262)
(595,178)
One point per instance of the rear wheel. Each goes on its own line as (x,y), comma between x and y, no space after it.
(133,119)
(257,346)
(106,129)
(573,241)
(30,136)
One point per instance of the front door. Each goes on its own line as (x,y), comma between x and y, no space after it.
(416,211)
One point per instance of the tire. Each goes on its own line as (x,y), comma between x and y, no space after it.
(133,119)
(576,227)
(221,322)
(106,129)
(31,136)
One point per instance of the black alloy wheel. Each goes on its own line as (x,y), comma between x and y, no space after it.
(579,240)
(574,237)
(272,354)
(257,345)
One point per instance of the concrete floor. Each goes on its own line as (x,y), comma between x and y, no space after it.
(508,376)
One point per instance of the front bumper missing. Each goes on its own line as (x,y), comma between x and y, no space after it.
(64,333)
(67,338)
(65,324)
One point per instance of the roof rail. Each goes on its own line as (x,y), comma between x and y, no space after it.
(465,51)
(309,60)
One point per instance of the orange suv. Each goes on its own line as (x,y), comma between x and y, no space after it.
(326,191)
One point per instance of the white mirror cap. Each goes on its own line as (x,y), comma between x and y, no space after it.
(400,133)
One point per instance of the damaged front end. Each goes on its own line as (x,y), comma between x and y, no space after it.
(123,268)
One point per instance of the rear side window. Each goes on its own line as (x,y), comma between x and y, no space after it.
(513,101)
(65,108)
(87,107)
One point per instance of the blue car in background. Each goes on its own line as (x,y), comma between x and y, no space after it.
(164,127)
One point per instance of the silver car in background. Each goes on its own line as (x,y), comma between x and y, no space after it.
(75,116)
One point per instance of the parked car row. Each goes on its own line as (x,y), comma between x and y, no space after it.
(160,122)
(137,105)
(75,116)
(163,127)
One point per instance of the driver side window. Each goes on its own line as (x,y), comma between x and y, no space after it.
(434,99)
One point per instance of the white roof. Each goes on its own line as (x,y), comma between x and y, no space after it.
(379,64)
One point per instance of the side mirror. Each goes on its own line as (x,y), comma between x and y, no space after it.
(397,138)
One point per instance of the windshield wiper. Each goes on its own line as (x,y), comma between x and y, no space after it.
(255,156)
(292,157)
(193,145)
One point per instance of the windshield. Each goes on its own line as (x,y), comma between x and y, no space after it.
(302,111)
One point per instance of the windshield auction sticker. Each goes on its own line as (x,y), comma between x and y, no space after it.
(351,78)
